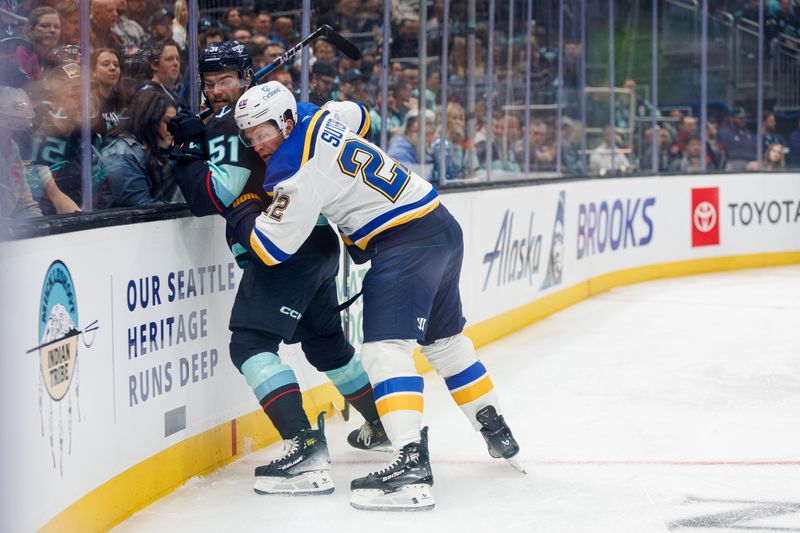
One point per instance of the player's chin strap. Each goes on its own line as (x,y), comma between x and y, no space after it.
(348,303)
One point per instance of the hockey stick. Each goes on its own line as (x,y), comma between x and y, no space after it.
(342,44)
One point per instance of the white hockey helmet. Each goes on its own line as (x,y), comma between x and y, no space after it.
(271,101)
(16,110)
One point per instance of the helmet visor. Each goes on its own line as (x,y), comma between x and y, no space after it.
(259,133)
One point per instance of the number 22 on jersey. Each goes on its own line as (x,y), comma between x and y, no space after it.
(359,159)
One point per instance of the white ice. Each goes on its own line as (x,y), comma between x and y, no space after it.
(672,405)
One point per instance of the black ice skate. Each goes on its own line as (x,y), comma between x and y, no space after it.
(303,467)
(498,437)
(371,436)
(403,485)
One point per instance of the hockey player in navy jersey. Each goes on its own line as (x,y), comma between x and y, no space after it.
(294,303)
(317,164)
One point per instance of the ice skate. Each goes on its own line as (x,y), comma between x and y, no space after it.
(498,437)
(403,485)
(303,467)
(371,436)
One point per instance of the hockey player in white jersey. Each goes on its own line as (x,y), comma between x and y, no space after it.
(317,164)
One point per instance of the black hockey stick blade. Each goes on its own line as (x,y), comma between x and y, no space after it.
(343,45)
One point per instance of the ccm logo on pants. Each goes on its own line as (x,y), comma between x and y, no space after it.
(291,312)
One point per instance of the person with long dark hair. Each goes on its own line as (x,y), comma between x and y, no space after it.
(105,65)
(137,167)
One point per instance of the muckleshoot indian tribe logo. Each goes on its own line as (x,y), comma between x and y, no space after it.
(58,358)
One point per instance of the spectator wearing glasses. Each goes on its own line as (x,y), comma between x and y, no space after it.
(138,170)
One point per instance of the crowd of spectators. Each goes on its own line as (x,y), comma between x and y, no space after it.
(139,79)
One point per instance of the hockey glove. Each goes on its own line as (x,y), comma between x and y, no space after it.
(241,255)
(243,212)
(186,127)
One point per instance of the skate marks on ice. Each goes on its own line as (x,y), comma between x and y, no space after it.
(623,406)
(744,515)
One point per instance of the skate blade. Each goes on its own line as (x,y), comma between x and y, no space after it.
(316,482)
(407,498)
(515,462)
(382,448)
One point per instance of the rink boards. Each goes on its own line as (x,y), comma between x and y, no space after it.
(118,385)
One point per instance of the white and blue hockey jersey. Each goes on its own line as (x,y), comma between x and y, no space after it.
(326,168)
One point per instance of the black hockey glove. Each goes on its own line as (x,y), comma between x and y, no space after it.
(186,127)
(188,153)
(241,217)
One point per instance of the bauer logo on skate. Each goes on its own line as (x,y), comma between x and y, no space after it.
(614,225)
(58,349)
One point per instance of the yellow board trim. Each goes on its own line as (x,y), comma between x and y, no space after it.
(155,477)
(310,136)
(474,391)
(400,402)
(362,243)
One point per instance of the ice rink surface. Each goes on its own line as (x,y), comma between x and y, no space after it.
(665,406)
